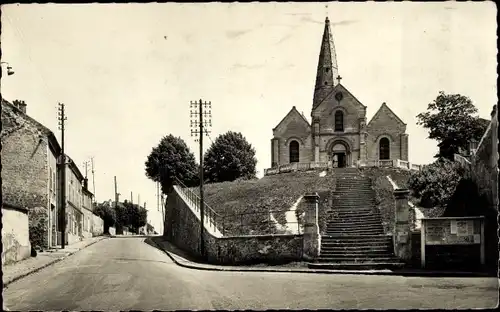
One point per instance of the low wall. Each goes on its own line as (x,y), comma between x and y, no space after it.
(97,225)
(182,228)
(255,249)
(15,234)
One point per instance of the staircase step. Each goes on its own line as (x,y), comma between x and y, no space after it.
(355,266)
(355,249)
(356,238)
(356,255)
(368,227)
(357,232)
(357,259)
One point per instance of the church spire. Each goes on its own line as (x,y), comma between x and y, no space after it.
(327,71)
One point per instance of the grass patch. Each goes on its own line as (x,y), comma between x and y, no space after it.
(246,204)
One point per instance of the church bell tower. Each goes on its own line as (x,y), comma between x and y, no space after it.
(327,75)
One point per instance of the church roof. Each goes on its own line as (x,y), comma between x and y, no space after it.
(339,87)
(384,105)
(293,110)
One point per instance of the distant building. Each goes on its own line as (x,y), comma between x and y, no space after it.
(339,130)
(29,168)
(87,209)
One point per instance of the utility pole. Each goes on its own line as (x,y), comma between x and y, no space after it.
(117,195)
(197,120)
(131,198)
(138,198)
(93,180)
(62,163)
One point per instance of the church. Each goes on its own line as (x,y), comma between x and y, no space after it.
(338,129)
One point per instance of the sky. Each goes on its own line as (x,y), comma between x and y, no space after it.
(127,72)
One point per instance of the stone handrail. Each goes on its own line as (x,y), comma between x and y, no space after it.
(210,216)
(389,163)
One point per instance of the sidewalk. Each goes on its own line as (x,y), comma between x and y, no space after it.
(182,259)
(15,271)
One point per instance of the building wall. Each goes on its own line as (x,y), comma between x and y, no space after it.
(15,235)
(294,127)
(386,125)
(53,196)
(25,169)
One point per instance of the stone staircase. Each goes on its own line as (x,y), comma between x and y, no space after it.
(354,236)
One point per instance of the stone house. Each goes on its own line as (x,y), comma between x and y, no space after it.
(74,205)
(29,169)
(338,129)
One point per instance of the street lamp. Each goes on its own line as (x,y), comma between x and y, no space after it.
(9,69)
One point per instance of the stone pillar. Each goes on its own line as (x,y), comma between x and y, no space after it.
(402,230)
(311,238)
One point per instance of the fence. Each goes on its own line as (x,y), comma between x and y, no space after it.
(247,223)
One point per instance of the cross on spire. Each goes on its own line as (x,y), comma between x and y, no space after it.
(338,78)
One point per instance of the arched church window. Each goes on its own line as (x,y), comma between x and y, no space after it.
(327,69)
(339,121)
(294,152)
(384,149)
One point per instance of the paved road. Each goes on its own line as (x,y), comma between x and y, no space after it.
(128,274)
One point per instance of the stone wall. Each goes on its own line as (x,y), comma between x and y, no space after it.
(255,249)
(25,168)
(15,234)
(97,225)
(182,228)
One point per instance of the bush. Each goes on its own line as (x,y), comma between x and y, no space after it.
(38,231)
(435,184)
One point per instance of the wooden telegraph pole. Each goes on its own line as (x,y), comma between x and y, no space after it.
(200,120)
(62,163)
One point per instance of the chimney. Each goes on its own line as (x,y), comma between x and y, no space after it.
(86,183)
(21,105)
(493,112)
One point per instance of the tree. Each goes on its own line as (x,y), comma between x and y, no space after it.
(170,159)
(107,214)
(452,122)
(136,216)
(230,157)
(436,183)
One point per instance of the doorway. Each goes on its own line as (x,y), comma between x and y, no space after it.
(340,160)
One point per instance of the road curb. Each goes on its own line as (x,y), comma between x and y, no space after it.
(315,271)
(7,283)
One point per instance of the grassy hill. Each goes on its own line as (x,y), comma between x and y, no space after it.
(247,204)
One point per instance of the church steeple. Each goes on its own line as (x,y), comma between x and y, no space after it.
(327,72)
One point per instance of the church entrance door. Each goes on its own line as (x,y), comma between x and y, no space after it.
(340,153)
(340,160)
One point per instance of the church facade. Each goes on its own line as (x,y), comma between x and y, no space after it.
(338,129)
